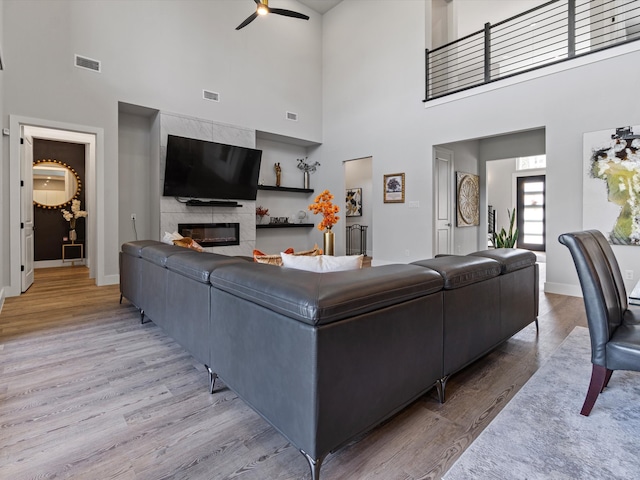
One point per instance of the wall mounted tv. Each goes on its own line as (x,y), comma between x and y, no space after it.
(201,169)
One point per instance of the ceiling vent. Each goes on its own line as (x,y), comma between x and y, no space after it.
(209,95)
(87,63)
(292,116)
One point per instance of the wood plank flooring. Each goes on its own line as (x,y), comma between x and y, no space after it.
(88,392)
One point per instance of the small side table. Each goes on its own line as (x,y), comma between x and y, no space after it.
(73,252)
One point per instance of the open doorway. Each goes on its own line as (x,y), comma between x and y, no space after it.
(21,197)
(358,214)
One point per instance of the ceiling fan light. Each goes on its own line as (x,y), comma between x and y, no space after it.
(262,9)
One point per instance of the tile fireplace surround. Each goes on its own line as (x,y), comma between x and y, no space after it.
(174,212)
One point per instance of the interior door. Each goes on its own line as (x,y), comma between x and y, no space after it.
(531,212)
(443,200)
(26,210)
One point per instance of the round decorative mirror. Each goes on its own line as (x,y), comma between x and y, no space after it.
(55,184)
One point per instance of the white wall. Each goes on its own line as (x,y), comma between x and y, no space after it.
(500,194)
(386,119)
(471,15)
(4,175)
(158,54)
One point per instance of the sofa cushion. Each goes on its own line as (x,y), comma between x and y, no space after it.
(198,265)
(510,259)
(159,253)
(322,298)
(322,263)
(135,248)
(459,271)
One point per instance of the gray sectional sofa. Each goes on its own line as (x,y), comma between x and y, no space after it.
(324,357)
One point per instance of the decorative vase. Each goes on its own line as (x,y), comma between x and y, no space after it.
(73,236)
(329,242)
(306,179)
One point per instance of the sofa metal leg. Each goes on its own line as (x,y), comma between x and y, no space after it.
(537,326)
(120,298)
(212,378)
(440,384)
(314,465)
(141,316)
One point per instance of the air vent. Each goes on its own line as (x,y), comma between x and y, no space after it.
(292,116)
(209,95)
(88,63)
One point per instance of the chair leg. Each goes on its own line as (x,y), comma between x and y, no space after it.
(599,378)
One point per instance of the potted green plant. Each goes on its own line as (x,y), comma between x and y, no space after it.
(503,239)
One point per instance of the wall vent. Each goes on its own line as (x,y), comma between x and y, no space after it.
(209,95)
(88,63)
(292,116)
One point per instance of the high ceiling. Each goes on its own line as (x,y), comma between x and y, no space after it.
(320,6)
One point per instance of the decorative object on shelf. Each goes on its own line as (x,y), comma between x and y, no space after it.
(307,169)
(468,199)
(278,170)
(261,212)
(504,239)
(279,220)
(72,216)
(353,207)
(301,216)
(328,210)
(394,188)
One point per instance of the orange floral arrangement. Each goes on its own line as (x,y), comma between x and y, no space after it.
(328,210)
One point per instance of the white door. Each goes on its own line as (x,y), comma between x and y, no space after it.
(26,209)
(443,202)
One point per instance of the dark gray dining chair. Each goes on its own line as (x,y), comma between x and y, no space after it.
(614,325)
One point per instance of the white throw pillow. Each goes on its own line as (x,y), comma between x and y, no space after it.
(322,263)
(170,237)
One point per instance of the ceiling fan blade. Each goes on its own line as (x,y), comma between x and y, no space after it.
(249,19)
(288,13)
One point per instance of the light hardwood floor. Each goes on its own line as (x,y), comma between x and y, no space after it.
(88,392)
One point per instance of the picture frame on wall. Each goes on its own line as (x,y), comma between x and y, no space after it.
(353,206)
(467,199)
(394,188)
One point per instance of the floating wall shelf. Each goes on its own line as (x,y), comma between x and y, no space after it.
(273,188)
(285,225)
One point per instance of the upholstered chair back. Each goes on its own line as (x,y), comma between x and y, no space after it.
(598,282)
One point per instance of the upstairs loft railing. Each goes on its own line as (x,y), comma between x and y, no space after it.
(554,32)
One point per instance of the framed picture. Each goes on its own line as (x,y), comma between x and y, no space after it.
(468,200)
(394,188)
(353,207)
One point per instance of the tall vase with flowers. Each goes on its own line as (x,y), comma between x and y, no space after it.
(72,216)
(328,210)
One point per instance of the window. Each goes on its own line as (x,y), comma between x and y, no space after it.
(530,163)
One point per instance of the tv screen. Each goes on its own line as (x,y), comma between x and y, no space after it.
(201,169)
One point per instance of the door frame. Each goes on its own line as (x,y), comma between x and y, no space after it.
(446,155)
(519,209)
(94,184)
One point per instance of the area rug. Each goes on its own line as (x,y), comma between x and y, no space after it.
(540,434)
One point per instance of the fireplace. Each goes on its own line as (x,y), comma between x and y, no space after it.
(211,234)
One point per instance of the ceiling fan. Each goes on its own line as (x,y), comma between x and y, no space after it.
(262,8)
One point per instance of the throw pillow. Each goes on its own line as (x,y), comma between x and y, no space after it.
(260,257)
(188,242)
(322,263)
(168,238)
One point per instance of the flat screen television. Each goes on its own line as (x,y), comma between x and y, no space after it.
(201,169)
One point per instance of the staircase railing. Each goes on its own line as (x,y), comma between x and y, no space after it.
(554,32)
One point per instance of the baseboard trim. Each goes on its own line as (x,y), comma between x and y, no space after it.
(109,280)
(1,298)
(563,289)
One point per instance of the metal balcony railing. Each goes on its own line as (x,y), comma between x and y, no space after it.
(554,32)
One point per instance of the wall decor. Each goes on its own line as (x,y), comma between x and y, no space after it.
(611,186)
(353,206)
(468,200)
(55,184)
(394,188)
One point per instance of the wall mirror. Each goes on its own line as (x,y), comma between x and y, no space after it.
(55,184)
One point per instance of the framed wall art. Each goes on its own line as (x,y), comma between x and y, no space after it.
(353,207)
(467,199)
(394,188)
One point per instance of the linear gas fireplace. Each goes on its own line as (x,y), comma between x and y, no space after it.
(211,234)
